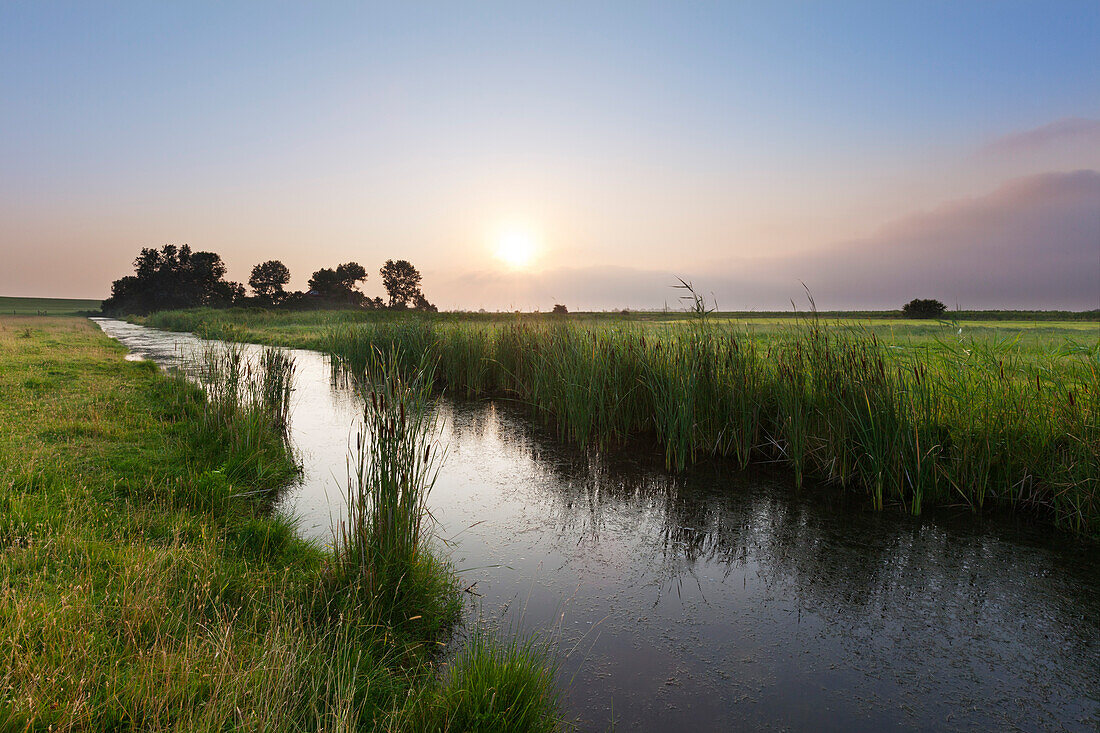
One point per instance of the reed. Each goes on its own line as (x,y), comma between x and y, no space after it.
(391,472)
(384,562)
(498,686)
(939,416)
(968,422)
(246,405)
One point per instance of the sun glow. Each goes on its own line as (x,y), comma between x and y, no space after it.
(516,247)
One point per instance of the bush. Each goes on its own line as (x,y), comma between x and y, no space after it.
(923,308)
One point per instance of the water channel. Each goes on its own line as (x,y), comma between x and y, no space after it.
(719,600)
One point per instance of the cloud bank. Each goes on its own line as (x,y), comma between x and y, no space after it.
(1032,243)
(1080,132)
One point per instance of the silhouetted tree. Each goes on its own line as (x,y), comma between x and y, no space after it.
(172,277)
(923,308)
(560,309)
(339,284)
(351,274)
(324,282)
(421,303)
(402,282)
(267,280)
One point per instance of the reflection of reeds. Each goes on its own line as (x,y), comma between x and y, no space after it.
(973,422)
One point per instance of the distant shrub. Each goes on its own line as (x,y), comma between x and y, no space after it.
(923,308)
(560,309)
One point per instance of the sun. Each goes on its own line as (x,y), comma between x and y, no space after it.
(516,247)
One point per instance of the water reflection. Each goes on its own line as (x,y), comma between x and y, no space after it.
(724,597)
(718,600)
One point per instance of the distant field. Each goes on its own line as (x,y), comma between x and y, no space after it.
(1033,332)
(960,315)
(46,306)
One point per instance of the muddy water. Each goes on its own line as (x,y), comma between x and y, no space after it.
(718,600)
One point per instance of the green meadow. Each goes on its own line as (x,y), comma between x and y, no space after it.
(47,306)
(910,414)
(147,584)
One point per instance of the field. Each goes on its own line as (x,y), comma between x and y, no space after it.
(910,414)
(47,306)
(1026,329)
(145,583)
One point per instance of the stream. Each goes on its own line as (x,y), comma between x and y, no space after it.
(724,600)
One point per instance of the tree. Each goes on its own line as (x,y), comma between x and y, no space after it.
(339,284)
(350,274)
(421,303)
(560,309)
(923,308)
(402,282)
(324,282)
(172,277)
(267,280)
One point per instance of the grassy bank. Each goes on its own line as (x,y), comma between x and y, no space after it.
(145,583)
(913,421)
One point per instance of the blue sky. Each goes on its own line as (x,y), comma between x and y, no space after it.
(625,139)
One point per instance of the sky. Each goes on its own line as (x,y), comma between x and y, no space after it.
(522,155)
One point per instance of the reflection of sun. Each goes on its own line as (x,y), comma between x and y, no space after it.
(516,247)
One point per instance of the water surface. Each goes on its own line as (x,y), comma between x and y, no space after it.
(719,600)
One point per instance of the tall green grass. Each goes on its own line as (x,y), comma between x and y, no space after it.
(146,584)
(247,402)
(973,422)
(383,559)
(496,686)
(382,547)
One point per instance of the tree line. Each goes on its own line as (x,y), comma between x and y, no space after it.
(176,277)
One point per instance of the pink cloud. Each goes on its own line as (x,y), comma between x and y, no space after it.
(1071,130)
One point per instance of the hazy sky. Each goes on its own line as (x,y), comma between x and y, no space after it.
(876,151)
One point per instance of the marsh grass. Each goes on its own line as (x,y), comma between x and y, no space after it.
(246,404)
(145,583)
(497,686)
(911,415)
(982,423)
(382,547)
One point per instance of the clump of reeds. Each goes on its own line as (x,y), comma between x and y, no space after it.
(237,384)
(381,545)
(497,686)
(386,568)
(248,404)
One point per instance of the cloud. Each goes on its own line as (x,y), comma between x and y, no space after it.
(1076,131)
(1032,243)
